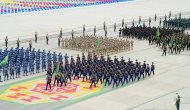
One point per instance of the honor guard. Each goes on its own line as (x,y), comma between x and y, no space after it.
(30,45)
(18,43)
(6,42)
(36,37)
(94,30)
(47,39)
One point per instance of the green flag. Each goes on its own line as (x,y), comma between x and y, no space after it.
(98,42)
(158,32)
(4,61)
(57,69)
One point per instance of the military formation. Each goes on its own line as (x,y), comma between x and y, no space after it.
(176,43)
(144,32)
(25,62)
(170,40)
(183,23)
(100,70)
(98,45)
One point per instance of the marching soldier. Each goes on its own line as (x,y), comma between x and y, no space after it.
(164,50)
(48,79)
(93,81)
(115,78)
(63,80)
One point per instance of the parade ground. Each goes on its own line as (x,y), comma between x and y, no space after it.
(158,92)
(152,93)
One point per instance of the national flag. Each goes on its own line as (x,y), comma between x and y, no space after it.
(158,33)
(57,69)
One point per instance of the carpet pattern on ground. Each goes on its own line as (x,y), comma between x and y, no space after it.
(22,6)
(33,92)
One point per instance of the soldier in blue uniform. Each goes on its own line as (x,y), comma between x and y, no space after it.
(31,66)
(120,75)
(137,74)
(54,62)
(147,70)
(26,54)
(107,78)
(63,80)
(49,58)
(85,72)
(131,75)
(115,79)
(43,61)
(17,69)
(25,68)
(76,72)
(60,57)
(66,58)
(12,68)
(69,74)
(37,65)
(93,80)
(5,72)
(99,76)
(54,57)
(126,76)
(141,71)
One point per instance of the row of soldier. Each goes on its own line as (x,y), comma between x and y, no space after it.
(97,70)
(183,23)
(144,32)
(21,59)
(90,43)
(176,43)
